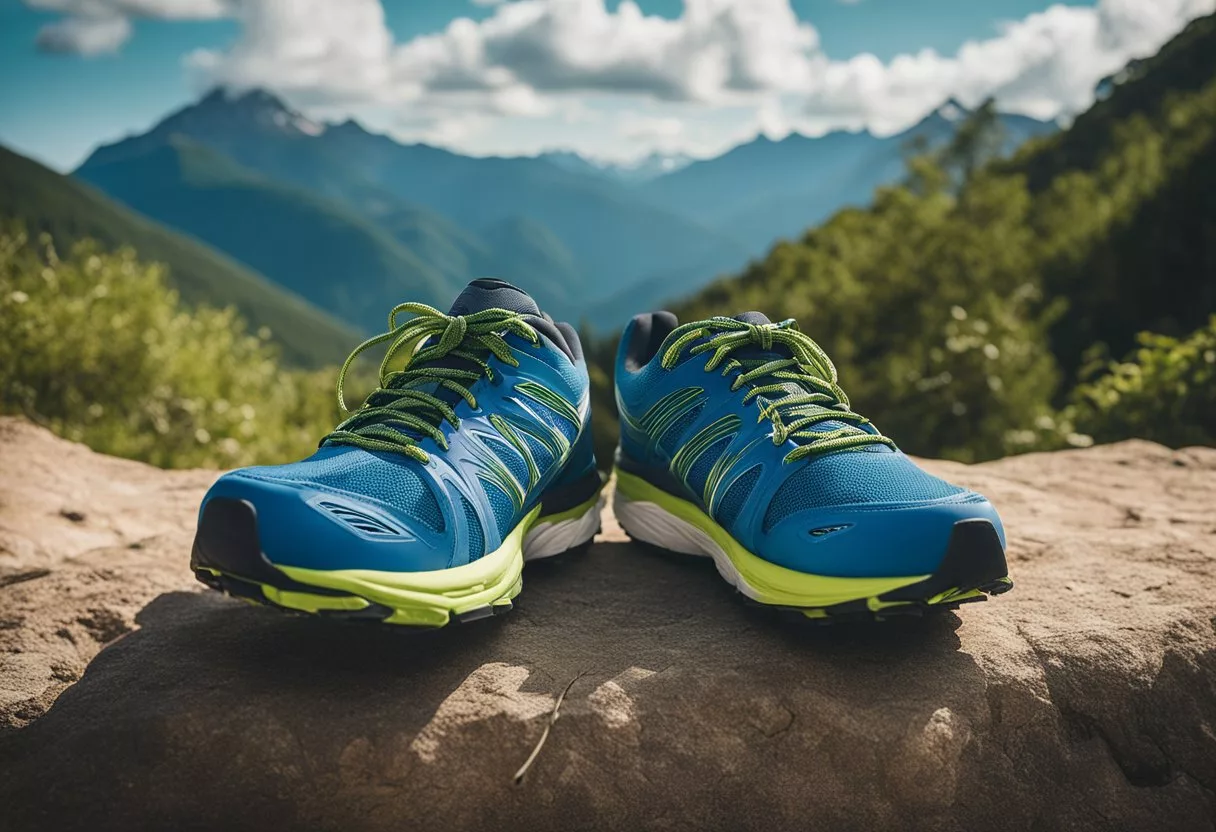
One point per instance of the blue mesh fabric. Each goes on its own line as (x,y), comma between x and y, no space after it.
(391,479)
(510,458)
(851,478)
(477,537)
(700,469)
(556,359)
(550,417)
(670,440)
(735,496)
(539,453)
(504,509)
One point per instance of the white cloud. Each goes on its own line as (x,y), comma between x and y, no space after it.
(321,51)
(720,67)
(1044,65)
(96,27)
(717,47)
(85,35)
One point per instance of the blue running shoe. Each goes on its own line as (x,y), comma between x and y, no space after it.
(738,443)
(424,504)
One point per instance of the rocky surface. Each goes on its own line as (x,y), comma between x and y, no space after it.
(1085,699)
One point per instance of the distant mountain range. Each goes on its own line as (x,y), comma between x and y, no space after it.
(354,222)
(426,220)
(767,190)
(649,167)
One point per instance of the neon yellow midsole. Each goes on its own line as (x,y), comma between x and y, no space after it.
(424,598)
(766,582)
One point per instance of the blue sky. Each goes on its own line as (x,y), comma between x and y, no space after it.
(613,82)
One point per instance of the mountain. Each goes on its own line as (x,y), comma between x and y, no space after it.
(615,237)
(767,190)
(316,247)
(592,241)
(597,234)
(70,210)
(650,166)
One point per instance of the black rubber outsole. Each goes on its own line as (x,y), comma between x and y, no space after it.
(227,557)
(974,562)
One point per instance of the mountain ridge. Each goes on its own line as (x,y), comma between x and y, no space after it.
(71,210)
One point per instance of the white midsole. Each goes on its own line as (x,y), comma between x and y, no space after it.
(545,540)
(651,523)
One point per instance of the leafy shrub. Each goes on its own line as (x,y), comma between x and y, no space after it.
(98,349)
(1164,391)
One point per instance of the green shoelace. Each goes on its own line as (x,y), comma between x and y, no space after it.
(793,414)
(399,399)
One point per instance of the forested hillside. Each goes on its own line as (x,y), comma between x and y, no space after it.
(317,248)
(70,211)
(973,310)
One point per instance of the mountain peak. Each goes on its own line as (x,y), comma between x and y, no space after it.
(952,110)
(348,127)
(256,108)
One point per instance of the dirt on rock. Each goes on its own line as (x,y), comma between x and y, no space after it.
(131,698)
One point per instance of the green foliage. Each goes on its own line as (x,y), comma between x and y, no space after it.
(97,348)
(1164,391)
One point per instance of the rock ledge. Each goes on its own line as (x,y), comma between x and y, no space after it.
(1084,699)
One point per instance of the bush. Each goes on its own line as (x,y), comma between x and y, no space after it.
(1164,391)
(99,350)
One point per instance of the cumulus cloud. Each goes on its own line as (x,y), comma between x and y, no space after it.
(716,47)
(321,50)
(85,35)
(535,59)
(96,27)
(1044,65)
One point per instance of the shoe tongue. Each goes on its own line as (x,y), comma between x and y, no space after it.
(492,293)
(757,318)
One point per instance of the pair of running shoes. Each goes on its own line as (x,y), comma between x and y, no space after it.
(736,443)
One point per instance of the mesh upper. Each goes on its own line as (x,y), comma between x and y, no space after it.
(504,509)
(670,441)
(852,478)
(510,458)
(550,417)
(477,537)
(705,462)
(391,479)
(540,453)
(732,502)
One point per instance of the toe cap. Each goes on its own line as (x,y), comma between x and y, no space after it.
(874,540)
(304,525)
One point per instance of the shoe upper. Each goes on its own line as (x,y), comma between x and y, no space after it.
(400,486)
(744,418)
